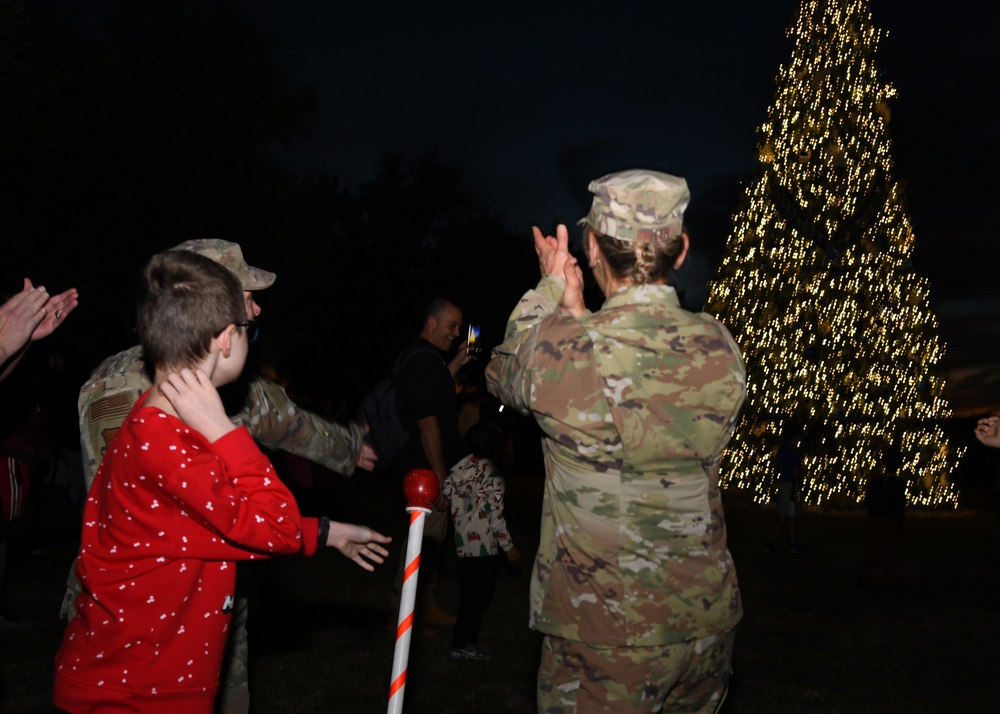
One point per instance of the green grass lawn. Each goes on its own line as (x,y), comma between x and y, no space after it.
(810,641)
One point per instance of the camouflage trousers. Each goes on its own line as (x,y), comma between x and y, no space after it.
(577,678)
(234,686)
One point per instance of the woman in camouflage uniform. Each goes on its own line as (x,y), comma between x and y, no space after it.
(633,585)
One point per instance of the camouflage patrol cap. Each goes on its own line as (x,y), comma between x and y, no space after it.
(638,205)
(229,255)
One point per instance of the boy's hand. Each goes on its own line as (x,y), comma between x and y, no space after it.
(357,543)
(513,554)
(197,403)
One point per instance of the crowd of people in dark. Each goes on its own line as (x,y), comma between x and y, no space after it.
(179,495)
(634,589)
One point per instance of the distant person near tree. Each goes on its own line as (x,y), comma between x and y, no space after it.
(788,464)
(988,432)
(885,499)
(634,587)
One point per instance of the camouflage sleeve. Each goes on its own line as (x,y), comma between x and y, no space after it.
(507,375)
(278,423)
(104,402)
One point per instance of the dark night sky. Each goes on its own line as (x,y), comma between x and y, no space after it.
(533,103)
(534,100)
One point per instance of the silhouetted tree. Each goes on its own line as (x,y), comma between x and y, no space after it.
(156,129)
(367,259)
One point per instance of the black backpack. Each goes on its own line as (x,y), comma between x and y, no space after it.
(378,412)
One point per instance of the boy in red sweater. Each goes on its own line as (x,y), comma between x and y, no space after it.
(180,495)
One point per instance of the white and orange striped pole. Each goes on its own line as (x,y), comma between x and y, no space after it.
(420,489)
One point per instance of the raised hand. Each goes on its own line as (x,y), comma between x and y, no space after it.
(554,258)
(196,402)
(20,317)
(988,431)
(552,252)
(56,310)
(461,358)
(572,297)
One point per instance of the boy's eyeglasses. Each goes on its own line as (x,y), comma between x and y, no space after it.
(251,334)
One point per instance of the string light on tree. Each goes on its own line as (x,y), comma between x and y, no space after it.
(818,288)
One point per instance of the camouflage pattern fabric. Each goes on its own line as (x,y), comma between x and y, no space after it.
(637,402)
(638,205)
(230,256)
(233,696)
(690,677)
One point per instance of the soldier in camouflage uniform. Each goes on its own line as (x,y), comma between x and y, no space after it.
(633,585)
(272,418)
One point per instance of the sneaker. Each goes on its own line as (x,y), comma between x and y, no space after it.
(796,548)
(770,548)
(473,651)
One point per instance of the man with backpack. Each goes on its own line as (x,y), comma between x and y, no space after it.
(428,411)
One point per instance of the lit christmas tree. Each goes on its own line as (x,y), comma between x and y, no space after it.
(818,287)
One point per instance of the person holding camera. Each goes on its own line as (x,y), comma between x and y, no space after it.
(428,409)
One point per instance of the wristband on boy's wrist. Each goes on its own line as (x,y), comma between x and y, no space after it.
(324,532)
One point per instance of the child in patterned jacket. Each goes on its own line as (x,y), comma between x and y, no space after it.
(474,490)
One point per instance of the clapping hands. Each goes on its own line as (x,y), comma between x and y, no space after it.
(554,258)
(28,316)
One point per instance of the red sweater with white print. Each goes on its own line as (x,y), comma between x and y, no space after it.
(166,517)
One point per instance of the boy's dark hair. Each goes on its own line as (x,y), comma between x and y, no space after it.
(484,439)
(184,300)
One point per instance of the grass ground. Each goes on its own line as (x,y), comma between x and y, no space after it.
(810,641)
